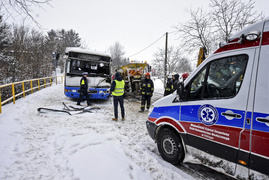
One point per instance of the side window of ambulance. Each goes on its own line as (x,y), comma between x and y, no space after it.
(196,85)
(223,79)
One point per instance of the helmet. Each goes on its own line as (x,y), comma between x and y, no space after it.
(147,74)
(185,76)
(176,76)
(85,73)
(169,76)
(117,74)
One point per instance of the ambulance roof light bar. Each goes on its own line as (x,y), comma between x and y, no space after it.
(251,36)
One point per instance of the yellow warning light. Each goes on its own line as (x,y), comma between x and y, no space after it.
(242,162)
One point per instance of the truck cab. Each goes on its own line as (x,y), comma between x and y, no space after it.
(219,115)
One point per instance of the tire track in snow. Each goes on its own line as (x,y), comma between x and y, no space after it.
(140,147)
(143,151)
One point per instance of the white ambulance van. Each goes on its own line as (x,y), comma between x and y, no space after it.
(220,115)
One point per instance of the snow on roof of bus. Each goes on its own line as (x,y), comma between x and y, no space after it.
(86,51)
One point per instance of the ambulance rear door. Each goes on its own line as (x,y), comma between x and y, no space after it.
(214,112)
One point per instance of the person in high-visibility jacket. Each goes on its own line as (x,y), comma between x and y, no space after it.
(147,88)
(117,90)
(84,90)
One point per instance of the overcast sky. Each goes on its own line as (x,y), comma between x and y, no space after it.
(135,24)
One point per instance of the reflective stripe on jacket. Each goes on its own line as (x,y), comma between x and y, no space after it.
(119,88)
(147,87)
(82,82)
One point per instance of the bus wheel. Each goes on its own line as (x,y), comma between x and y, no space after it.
(170,146)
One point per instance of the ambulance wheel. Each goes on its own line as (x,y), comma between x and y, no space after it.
(170,146)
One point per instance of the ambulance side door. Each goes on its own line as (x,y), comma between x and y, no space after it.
(215,108)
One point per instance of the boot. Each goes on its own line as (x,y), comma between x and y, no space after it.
(114,119)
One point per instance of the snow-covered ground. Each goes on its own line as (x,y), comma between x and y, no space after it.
(84,146)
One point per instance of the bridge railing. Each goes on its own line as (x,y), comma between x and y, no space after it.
(16,90)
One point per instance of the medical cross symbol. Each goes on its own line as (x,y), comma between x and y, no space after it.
(207,114)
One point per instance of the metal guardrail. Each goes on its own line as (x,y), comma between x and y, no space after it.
(46,82)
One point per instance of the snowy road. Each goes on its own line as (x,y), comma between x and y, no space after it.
(84,146)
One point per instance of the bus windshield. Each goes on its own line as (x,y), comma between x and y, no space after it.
(95,65)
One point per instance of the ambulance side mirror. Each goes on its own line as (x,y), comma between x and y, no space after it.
(180,91)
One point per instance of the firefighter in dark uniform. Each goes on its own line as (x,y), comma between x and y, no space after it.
(168,86)
(84,89)
(117,90)
(147,88)
(175,82)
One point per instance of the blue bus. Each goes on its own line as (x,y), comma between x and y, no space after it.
(77,61)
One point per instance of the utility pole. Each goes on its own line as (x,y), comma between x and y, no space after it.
(55,58)
(165,59)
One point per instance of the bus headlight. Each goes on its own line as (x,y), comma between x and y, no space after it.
(107,91)
(70,90)
(101,92)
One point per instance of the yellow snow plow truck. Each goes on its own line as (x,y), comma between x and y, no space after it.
(202,55)
(132,74)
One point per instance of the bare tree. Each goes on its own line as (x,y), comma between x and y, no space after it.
(39,54)
(117,54)
(196,32)
(58,40)
(4,34)
(29,57)
(232,15)
(5,58)
(175,61)
(207,29)
(21,7)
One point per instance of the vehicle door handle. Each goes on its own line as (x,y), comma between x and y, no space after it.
(237,116)
(263,120)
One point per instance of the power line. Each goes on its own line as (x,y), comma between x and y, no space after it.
(148,46)
(172,32)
